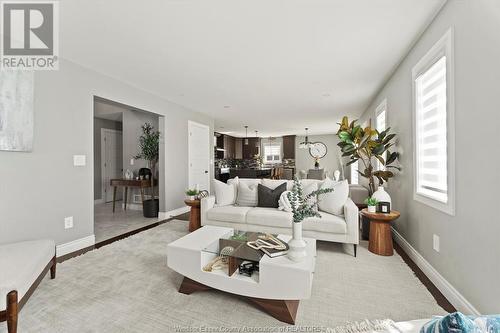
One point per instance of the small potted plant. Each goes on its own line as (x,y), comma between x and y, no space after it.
(316,163)
(191,193)
(372,204)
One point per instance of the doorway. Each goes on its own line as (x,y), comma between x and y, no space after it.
(199,156)
(111,162)
(117,130)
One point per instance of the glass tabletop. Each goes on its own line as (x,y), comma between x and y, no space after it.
(234,244)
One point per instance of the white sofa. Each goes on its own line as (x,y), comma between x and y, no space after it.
(332,228)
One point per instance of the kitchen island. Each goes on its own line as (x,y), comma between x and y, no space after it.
(250,172)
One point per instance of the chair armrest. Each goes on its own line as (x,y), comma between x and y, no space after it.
(206,204)
(351,214)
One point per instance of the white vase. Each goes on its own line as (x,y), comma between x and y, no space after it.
(372,209)
(297,246)
(381,195)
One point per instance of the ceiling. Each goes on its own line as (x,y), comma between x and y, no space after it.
(276,66)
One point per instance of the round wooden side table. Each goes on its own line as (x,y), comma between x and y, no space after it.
(380,231)
(194,217)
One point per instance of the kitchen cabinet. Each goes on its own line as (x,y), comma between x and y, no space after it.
(289,147)
(252,149)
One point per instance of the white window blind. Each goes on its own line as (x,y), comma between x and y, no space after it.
(431,132)
(272,153)
(354,173)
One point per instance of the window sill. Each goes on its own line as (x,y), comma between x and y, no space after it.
(447,208)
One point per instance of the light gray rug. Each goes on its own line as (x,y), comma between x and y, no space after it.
(127,287)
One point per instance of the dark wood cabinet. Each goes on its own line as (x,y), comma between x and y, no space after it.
(252,149)
(229,147)
(289,147)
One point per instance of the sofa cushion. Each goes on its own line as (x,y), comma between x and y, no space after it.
(334,202)
(247,195)
(271,217)
(232,213)
(327,223)
(225,194)
(269,197)
(21,264)
(273,183)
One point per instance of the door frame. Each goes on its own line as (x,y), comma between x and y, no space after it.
(190,125)
(103,155)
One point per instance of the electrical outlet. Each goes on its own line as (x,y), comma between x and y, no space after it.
(435,243)
(131,161)
(68,222)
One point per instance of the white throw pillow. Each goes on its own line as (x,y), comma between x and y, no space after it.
(273,183)
(247,195)
(225,194)
(284,203)
(334,202)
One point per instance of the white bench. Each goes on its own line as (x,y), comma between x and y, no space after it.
(22,267)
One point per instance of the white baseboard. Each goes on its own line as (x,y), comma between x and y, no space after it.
(453,295)
(75,245)
(98,201)
(174,212)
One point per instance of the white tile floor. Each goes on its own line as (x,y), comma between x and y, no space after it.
(108,225)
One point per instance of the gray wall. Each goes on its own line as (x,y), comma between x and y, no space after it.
(304,161)
(98,125)
(470,251)
(42,187)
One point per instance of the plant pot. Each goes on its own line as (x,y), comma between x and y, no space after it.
(191,197)
(150,208)
(297,246)
(381,195)
(372,209)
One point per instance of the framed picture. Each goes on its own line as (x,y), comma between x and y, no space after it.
(384,207)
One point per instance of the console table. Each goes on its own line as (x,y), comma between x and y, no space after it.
(141,183)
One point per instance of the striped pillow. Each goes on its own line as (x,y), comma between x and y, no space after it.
(247,195)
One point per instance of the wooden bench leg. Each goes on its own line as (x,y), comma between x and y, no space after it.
(53,268)
(12,310)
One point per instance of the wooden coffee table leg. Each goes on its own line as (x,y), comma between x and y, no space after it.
(380,238)
(283,310)
(189,286)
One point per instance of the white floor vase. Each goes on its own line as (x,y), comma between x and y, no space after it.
(297,250)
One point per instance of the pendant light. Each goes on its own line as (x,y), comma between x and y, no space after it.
(246,135)
(306,144)
(256,140)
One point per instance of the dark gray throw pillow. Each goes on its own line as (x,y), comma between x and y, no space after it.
(268,197)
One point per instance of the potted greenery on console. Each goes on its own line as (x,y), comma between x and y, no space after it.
(149,146)
(302,208)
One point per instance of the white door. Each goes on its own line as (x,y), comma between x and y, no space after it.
(199,155)
(111,161)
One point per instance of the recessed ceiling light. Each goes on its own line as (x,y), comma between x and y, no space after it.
(326,95)
(226,106)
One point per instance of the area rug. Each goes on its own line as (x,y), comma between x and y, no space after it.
(127,287)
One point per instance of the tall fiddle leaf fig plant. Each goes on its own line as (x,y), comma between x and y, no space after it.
(368,145)
(149,149)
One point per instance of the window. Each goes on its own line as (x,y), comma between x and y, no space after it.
(272,153)
(354,173)
(380,124)
(434,127)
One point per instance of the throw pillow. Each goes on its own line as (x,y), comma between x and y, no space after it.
(247,195)
(225,194)
(273,183)
(333,202)
(454,322)
(284,203)
(268,197)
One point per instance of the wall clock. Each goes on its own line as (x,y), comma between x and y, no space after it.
(318,150)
